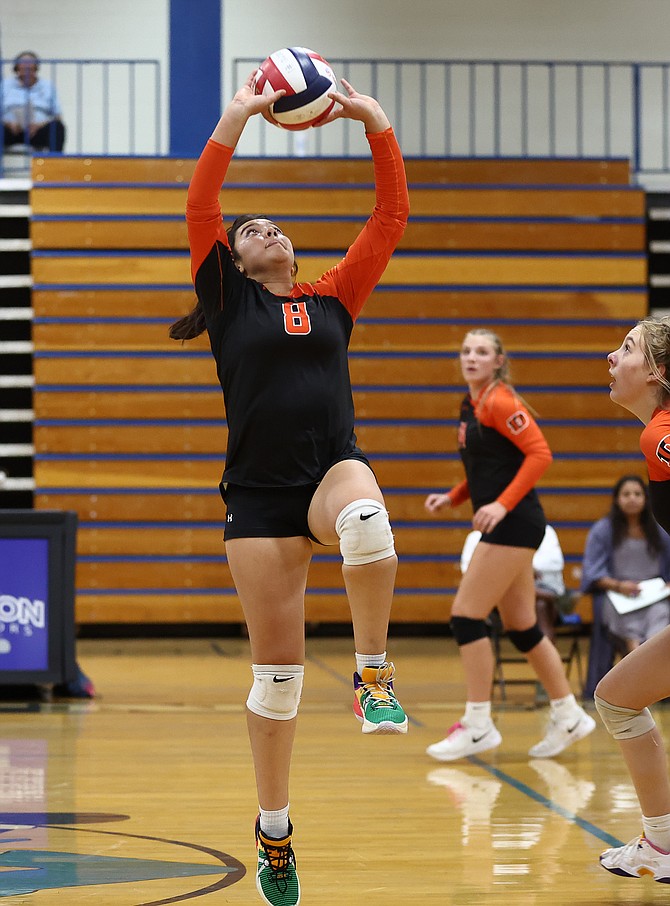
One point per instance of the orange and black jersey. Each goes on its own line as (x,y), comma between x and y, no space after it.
(503,451)
(655,445)
(282,361)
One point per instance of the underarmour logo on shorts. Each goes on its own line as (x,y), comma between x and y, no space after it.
(229,517)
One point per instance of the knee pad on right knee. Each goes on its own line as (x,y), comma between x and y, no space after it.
(524,640)
(276,690)
(364,531)
(466,630)
(624,723)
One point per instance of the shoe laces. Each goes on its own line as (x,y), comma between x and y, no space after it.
(279,860)
(380,690)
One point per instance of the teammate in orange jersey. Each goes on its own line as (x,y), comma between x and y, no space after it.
(640,369)
(293,470)
(504,454)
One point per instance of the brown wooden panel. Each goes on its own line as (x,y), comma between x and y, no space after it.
(368,334)
(426,539)
(391,438)
(174,574)
(207,541)
(208,404)
(129,371)
(136,506)
(94,609)
(339,234)
(177,505)
(421,371)
(416,269)
(164,404)
(137,438)
(301,170)
(150,540)
(347,201)
(392,370)
(408,302)
(109,234)
(402,472)
(584,506)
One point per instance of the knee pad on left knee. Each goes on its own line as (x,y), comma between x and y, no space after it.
(526,639)
(624,723)
(364,531)
(467,630)
(276,691)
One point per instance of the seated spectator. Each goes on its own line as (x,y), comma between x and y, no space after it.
(548,563)
(622,549)
(31,111)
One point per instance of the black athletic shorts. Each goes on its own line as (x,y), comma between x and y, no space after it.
(272,512)
(519,529)
(267,512)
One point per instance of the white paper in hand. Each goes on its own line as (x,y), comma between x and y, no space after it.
(651,590)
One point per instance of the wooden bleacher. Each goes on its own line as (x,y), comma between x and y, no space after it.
(130,430)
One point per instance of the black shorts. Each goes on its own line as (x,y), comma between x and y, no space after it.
(267,512)
(272,512)
(521,527)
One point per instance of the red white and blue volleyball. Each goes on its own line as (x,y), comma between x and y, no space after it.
(307,79)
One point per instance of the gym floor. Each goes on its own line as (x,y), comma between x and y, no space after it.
(145,795)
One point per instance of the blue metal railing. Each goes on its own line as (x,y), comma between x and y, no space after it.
(496,108)
(108,106)
(439,108)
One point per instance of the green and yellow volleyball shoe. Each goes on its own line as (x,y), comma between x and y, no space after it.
(276,875)
(375,704)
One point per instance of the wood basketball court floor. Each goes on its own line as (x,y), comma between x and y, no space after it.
(145,795)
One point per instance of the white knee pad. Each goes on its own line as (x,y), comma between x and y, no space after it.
(365,532)
(624,723)
(275,693)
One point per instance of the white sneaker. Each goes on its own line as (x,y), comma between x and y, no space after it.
(561,734)
(462,741)
(637,858)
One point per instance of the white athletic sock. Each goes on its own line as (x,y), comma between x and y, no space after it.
(369,660)
(564,708)
(275,823)
(657,831)
(477,714)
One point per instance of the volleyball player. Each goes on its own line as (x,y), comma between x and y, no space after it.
(504,454)
(639,371)
(293,471)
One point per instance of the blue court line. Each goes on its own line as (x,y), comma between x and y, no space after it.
(345,681)
(547,803)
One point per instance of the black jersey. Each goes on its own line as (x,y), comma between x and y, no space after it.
(502,448)
(282,360)
(283,368)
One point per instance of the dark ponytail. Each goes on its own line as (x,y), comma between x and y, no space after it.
(193,324)
(190,326)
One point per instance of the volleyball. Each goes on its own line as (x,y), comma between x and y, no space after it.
(306,77)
